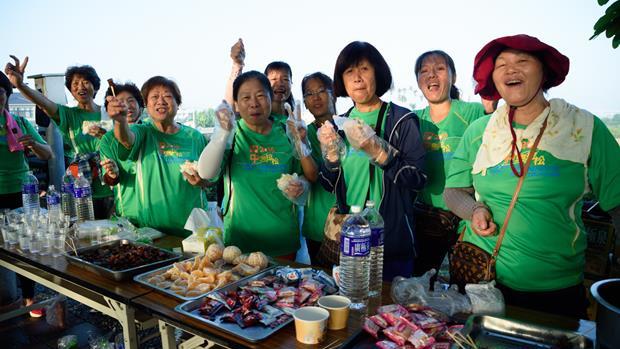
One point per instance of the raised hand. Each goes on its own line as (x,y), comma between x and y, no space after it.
(26,141)
(117,109)
(225,116)
(15,71)
(237,52)
(97,131)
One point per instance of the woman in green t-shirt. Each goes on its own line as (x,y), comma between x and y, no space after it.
(159,149)
(318,91)
(442,124)
(257,216)
(542,254)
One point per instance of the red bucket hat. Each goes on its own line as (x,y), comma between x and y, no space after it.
(556,64)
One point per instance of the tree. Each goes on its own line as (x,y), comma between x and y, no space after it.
(205,118)
(609,23)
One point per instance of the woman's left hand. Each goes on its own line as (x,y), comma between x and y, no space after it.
(482,222)
(294,190)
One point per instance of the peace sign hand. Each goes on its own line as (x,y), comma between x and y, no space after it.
(15,71)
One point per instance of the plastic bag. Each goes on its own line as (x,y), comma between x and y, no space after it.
(417,290)
(55,313)
(485,298)
(361,136)
(68,342)
(333,148)
(286,179)
(225,124)
(297,132)
(358,132)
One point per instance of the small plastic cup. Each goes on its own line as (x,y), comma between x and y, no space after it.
(310,323)
(338,308)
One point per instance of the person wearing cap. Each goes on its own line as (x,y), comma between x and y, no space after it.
(121,174)
(541,258)
(442,124)
(83,83)
(14,144)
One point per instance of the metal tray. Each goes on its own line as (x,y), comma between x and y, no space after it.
(143,279)
(498,333)
(251,334)
(118,275)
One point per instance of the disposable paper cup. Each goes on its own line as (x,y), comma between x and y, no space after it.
(338,308)
(310,324)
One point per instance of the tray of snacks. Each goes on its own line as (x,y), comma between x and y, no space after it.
(256,307)
(194,277)
(120,259)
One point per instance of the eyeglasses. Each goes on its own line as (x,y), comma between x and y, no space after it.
(315,93)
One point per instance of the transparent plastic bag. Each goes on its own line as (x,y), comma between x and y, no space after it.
(56,312)
(286,179)
(68,342)
(333,148)
(297,132)
(485,298)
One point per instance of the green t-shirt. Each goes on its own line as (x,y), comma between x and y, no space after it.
(356,165)
(166,197)
(543,248)
(126,197)
(320,201)
(279,118)
(14,165)
(71,119)
(440,141)
(259,216)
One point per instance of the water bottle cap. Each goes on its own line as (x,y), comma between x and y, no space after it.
(356,209)
(370,203)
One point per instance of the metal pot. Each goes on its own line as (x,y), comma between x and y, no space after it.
(607,295)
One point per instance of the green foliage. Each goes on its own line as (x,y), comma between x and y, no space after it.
(613,124)
(205,118)
(609,23)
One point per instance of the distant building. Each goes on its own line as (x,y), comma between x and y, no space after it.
(19,105)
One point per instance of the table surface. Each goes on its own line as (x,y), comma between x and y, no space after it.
(162,306)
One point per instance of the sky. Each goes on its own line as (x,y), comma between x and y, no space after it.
(189,41)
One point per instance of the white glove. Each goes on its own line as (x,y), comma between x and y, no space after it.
(333,148)
(297,132)
(212,155)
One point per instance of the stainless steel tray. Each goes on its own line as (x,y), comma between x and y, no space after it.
(143,279)
(118,275)
(498,333)
(250,334)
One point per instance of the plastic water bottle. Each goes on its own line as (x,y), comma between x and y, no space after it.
(68,207)
(355,259)
(30,194)
(83,199)
(54,209)
(376,248)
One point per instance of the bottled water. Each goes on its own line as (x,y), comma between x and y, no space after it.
(83,199)
(354,259)
(376,248)
(30,194)
(54,209)
(68,208)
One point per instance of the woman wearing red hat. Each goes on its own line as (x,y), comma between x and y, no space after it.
(541,257)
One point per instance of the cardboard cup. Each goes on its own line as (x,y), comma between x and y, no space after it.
(338,308)
(310,324)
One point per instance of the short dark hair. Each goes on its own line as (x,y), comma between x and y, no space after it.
(279,65)
(454,91)
(252,74)
(161,81)
(354,53)
(87,72)
(324,79)
(126,87)
(5,84)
